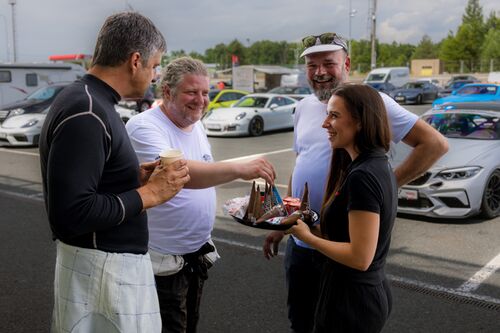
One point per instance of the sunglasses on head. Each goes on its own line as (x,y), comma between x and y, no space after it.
(326,38)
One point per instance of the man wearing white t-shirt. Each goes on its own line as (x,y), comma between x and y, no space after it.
(328,65)
(180,244)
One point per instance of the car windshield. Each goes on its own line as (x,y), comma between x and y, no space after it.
(212,94)
(252,102)
(44,93)
(376,77)
(414,85)
(457,84)
(477,90)
(466,125)
(289,90)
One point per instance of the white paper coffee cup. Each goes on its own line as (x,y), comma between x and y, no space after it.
(170,155)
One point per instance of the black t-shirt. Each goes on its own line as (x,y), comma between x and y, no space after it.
(90,171)
(369,186)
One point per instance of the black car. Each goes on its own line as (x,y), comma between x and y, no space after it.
(455,78)
(35,102)
(417,92)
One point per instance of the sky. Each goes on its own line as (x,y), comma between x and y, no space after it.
(48,27)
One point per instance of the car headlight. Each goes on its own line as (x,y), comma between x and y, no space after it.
(459,173)
(241,116)
(30,123)
(16,112)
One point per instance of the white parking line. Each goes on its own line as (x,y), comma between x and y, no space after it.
(415,283)
(36,196)
(19,152)
(257,155)
(228,160)
(484,273)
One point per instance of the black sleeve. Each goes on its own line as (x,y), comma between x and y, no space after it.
(364,192)
(79,148)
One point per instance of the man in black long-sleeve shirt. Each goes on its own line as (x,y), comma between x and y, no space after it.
(96,192)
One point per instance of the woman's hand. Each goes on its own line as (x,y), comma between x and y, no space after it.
(300,230)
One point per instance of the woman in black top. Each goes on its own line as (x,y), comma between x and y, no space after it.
(357,216)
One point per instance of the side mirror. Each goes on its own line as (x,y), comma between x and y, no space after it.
(273,106)
(454,92)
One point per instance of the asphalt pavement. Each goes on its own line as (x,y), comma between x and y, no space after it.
(244,293)
(428,263)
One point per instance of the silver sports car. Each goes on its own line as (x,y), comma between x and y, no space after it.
(465,181)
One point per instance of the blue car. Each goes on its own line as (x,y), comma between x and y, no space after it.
(472,93)
(415,93)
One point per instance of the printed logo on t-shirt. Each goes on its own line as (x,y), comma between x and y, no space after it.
(207,158)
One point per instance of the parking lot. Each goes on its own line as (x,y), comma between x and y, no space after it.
(445,273)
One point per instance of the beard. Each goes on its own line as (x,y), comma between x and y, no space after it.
(323,88)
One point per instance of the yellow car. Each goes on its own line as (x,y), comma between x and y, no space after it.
(224,98)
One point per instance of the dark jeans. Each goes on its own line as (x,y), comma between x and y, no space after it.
(302,269)
(179,294)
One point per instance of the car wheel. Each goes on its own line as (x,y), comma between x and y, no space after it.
(490,206)
(256,126)
(36,139)
(419,99)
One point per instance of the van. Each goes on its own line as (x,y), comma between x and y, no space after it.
(293,80)
(494,77)
(397,76)
(18,80)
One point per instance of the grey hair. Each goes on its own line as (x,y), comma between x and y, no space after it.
(173,74)
(123,34)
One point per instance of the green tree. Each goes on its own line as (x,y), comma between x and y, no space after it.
(360,55)
(425,49)
(493,22)
(197,55)
(171,56)
(448,53)
(394,54)
(473,13)
(218,55)
(491,45)
(471,33)
(238,49)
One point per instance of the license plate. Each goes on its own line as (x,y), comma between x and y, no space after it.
(400,98)
(213,126)
(408,194)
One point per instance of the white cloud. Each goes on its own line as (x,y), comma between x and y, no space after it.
(71,26)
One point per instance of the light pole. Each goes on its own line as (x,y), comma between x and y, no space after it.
(352,12)
(13,3)
(6,37)
(373,35)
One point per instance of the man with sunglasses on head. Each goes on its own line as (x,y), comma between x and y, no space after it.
(328,65)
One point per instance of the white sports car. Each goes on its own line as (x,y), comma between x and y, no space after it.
(466,180)
(23,129)
(251,115)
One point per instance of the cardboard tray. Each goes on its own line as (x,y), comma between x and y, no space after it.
(272,226)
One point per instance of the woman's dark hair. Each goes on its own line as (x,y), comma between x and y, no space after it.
(367,109)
